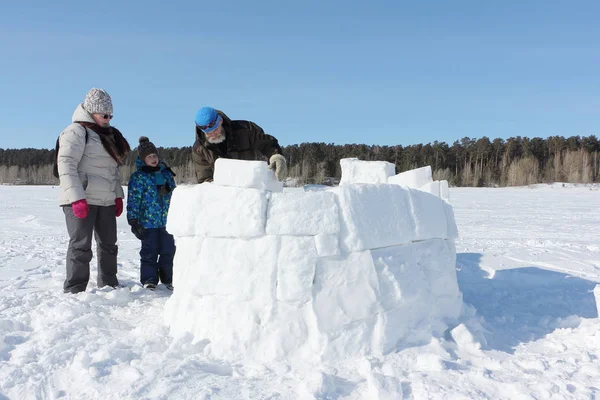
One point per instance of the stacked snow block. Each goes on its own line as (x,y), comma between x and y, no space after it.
(356,171)
(415,178)
(352,271)
(254,175)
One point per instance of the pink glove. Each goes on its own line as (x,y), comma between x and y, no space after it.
(118,206)
(80,208)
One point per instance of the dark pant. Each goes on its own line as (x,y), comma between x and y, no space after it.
(103,223)
(156,256)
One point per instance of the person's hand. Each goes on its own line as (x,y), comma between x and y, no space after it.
(80,208)
(118,206)
(136,228)
(277,163)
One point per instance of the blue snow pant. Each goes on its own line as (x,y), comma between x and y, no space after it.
(156,256)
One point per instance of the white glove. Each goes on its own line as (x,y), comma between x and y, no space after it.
(278,163)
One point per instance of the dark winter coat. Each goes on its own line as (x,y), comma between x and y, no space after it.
(147,202)
(244,140)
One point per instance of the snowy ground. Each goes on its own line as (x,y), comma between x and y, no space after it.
(528,260)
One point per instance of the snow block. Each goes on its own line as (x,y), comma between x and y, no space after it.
(374,216)
(223,211)
(414,178)
(465,340)
(188,251)
(432,187)
(429,215)
(242,271)
(405,297)
(296,269)
(289,331)
(245,174)
(233,326)
(327,245)
(181,220)
(450,222)
(272,184)
(437,258)
(357,171)
(302,213)
(398,278)
(444,190)
(346,291)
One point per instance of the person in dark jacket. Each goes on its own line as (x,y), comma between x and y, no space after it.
(217,136)
(148,198)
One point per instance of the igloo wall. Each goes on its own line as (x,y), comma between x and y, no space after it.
(330,274)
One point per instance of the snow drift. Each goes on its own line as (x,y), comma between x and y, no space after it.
(357,270)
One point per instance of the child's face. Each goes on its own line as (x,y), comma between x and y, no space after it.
(151,160)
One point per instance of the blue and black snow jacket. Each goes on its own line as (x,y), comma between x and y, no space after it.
(149,194)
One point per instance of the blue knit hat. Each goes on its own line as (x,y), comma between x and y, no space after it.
(208,116)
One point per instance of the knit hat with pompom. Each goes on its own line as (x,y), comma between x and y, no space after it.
(146,148)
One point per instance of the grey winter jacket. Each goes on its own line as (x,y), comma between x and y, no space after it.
(86,170)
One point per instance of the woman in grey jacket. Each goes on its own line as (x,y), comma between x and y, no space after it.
(89,155)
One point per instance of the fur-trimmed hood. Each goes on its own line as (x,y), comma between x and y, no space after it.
(80,115)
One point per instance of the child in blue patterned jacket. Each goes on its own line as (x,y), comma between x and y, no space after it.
(148,198)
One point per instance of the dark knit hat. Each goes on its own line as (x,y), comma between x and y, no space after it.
(146,148)
(97,101)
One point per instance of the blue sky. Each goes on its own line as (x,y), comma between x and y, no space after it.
(378,72)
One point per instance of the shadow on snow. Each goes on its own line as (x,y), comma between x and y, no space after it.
(523,304)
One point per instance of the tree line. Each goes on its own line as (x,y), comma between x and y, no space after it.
(466,162)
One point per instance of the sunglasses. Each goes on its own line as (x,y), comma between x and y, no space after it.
(107,116)
(209,126)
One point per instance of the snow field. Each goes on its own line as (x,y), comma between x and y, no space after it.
(527,265)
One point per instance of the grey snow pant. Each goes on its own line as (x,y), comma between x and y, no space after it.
(103,222)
